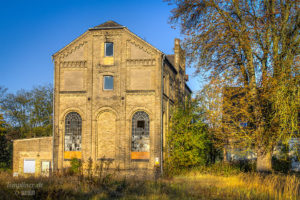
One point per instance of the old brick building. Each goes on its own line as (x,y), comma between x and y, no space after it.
(113,94)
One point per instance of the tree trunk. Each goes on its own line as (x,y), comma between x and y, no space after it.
(225,155)
(264,161)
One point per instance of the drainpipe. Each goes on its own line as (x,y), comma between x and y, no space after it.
(53,124)
(162,109)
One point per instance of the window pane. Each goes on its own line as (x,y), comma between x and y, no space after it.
(109,49)
(141,124)
(108,82)
(29,166)
(73,132)
(140,132)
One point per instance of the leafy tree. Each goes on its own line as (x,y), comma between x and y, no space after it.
(16,108)
(248,51)
(5,145)
(188,144)
(41,114)
(29,113)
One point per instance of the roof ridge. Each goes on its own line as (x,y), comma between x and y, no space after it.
(108,24)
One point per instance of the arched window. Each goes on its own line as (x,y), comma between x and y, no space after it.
(73,125)
(140,136)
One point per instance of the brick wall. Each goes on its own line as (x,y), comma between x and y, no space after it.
(38,149)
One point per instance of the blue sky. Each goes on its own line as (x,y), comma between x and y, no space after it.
(32,30)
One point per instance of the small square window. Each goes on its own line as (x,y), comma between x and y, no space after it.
(108,83)
(109,49)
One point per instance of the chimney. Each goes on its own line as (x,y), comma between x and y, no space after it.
(177,53)
(179,56)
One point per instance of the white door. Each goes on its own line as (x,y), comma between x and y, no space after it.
(45,168)
(29,166)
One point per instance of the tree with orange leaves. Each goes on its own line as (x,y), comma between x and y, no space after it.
(248,50)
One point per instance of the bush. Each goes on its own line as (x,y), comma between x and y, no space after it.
(220,168)
(227,169)
(281,165)
(188,144)
(245,165)
(75,166)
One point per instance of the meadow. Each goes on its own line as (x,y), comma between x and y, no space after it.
(198,183)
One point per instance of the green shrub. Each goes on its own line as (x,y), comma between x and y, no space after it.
(188,144)
(75,166)
(245,165)
(227,168)
(220,168)
(281,165)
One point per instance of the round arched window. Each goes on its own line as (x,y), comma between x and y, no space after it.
(140,132)
(73,125)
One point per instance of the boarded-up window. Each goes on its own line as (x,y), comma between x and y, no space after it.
(73,81)
(140,145)
(29,166)
(73,132)
(45,168)
(106,135)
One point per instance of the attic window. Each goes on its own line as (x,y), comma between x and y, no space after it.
(109,49)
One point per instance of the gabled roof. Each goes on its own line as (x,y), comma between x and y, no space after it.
(171,59)
(114,25)
(188,88)
(108,25)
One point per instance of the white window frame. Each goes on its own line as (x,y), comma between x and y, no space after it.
(104,83)
(105,49)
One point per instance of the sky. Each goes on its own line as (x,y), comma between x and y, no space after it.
(31,31)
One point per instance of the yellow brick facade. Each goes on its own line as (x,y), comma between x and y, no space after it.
(37,149)
(144,79)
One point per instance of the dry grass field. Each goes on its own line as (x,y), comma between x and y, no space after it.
(191,185)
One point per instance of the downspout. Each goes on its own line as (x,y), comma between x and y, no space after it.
(162,109)
(53,124)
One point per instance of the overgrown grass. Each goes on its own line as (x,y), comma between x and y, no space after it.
(225,183)
(243,185)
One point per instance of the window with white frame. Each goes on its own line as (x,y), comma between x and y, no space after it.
(108,82)
(109,49)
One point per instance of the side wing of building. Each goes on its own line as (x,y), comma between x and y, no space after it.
(32,156)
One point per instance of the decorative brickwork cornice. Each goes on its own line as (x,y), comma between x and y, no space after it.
(77,64)
(150,62)
(143,92)
(72,48)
